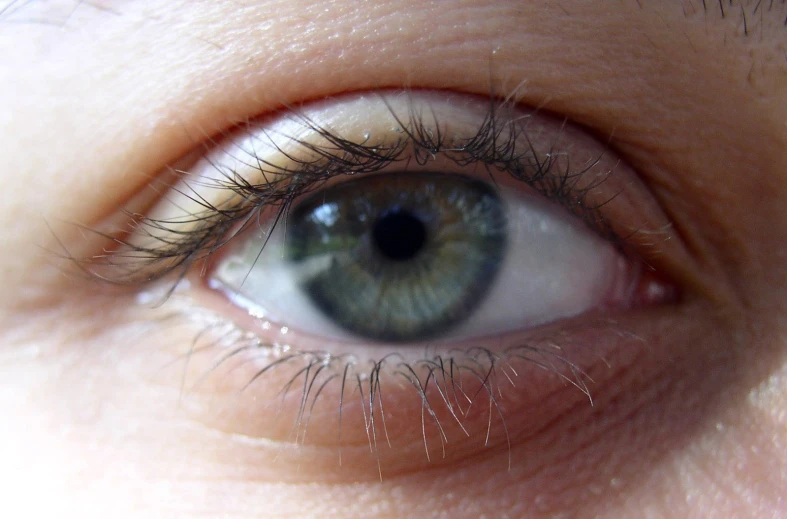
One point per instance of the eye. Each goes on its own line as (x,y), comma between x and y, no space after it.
(421,256)
(458,258)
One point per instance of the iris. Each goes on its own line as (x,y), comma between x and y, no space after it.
(398,257)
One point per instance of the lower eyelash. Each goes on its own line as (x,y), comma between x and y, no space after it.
(438,379)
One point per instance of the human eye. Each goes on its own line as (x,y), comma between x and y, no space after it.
(398,272)
(131,140)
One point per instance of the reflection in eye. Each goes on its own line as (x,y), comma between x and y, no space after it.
(462,230)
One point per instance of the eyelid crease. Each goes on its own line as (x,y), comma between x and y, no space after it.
(274,162)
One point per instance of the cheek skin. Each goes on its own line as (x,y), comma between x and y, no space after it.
(124,421)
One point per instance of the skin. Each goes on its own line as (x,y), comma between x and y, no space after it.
(100,99)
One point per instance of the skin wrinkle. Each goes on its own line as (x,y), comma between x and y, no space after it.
(643,429)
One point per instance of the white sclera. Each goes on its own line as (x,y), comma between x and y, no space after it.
(553,268)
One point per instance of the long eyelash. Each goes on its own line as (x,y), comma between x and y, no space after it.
(440,380)
(493,146)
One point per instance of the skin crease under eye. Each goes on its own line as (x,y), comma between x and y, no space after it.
(693,428)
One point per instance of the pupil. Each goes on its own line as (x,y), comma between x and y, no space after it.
(399,235)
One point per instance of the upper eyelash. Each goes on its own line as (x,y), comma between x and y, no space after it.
(493,146)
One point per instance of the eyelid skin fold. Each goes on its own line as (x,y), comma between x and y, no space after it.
(267,163)
(444,403)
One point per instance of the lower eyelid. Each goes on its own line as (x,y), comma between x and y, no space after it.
(517,385)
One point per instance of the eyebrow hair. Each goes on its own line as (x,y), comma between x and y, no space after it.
(748,17)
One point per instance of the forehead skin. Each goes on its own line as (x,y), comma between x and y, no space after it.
(99,96)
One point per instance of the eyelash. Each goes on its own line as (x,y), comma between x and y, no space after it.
(492,147)
(217,226)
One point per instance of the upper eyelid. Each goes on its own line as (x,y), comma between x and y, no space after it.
(214,120)
(177,242)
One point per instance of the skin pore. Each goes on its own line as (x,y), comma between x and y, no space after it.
(689,413)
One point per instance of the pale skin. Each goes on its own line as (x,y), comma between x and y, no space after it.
(693,424)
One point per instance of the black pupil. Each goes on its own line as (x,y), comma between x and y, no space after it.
(399,235)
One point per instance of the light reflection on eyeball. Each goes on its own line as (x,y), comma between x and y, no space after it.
(400,258)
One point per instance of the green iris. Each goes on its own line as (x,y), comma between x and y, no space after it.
(398,257)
